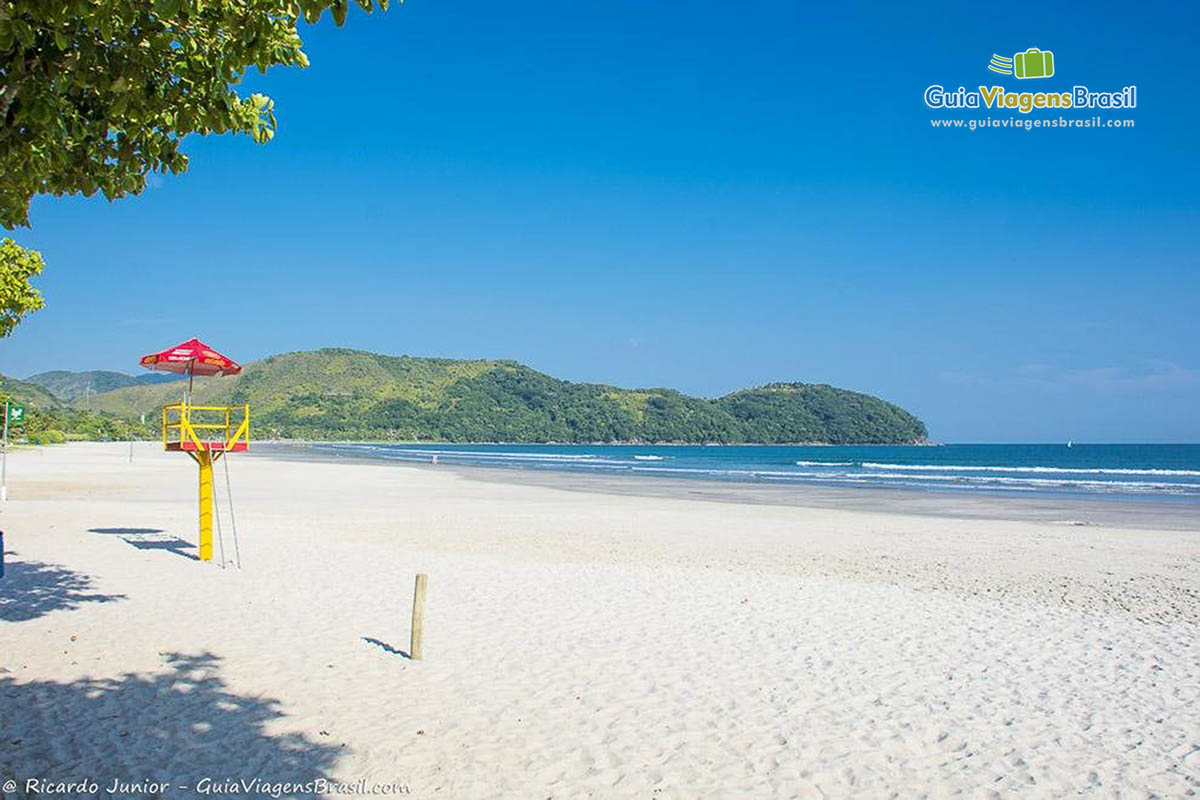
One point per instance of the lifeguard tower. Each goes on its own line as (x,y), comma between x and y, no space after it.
(203,432)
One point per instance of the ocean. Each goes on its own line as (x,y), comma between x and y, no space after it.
(1166,472)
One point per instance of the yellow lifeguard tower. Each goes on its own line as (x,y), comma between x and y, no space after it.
(206,433)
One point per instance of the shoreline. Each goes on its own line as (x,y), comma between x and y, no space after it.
(632,443)
(1069,511)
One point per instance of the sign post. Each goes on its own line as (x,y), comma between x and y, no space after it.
(16,414)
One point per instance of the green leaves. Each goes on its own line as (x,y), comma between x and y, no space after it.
(166,8)
(17,296)
(96,95)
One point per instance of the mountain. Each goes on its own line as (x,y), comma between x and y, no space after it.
(351,394)
(26,393)
(69,386)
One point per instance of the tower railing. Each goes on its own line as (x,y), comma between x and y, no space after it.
(191,428)
(194,430)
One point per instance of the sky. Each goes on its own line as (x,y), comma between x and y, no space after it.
(701,195)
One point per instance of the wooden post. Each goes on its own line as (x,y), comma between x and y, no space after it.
(414,645)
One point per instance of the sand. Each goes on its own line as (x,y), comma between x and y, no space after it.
(578,643)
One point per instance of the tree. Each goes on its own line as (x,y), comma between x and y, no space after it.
(96,94)
(17,296)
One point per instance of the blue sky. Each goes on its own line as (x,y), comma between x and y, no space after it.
(698,195)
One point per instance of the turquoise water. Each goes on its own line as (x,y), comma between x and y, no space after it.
(1169,472)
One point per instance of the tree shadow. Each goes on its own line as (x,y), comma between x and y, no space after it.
(151,539)
(177,726)
(30,589)
(385,647)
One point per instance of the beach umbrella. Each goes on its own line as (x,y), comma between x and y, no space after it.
(191,358)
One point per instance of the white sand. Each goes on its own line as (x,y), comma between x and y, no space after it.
(581,644)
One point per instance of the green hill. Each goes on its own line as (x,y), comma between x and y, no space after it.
(798,412)
(350,394)
(49,420)
(26,393)
(69,386)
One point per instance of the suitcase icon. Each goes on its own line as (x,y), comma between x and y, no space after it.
(1033,63)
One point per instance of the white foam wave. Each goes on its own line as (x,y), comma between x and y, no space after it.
(950,481)
(1061,482)
(500,458)
(825,463)
(1064,470)
(947,476)
(496,454)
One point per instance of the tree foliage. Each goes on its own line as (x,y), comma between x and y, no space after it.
(55,425)
(17,295)
(96,94)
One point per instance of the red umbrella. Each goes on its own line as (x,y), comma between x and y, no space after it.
(192,358)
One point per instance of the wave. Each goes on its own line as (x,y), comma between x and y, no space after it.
(1064,470)
(547,459)
(915,480)
(1060,482)
(494,454)
(957,477)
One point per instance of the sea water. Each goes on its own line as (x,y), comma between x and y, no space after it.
(1168,472)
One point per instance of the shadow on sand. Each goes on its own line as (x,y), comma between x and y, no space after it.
(151,539)
(385,647)
(30,589)
(178,725)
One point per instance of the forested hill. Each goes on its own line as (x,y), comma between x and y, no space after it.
(70,386)
(350,394)
(26,393)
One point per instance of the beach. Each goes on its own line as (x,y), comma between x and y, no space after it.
(583,637)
